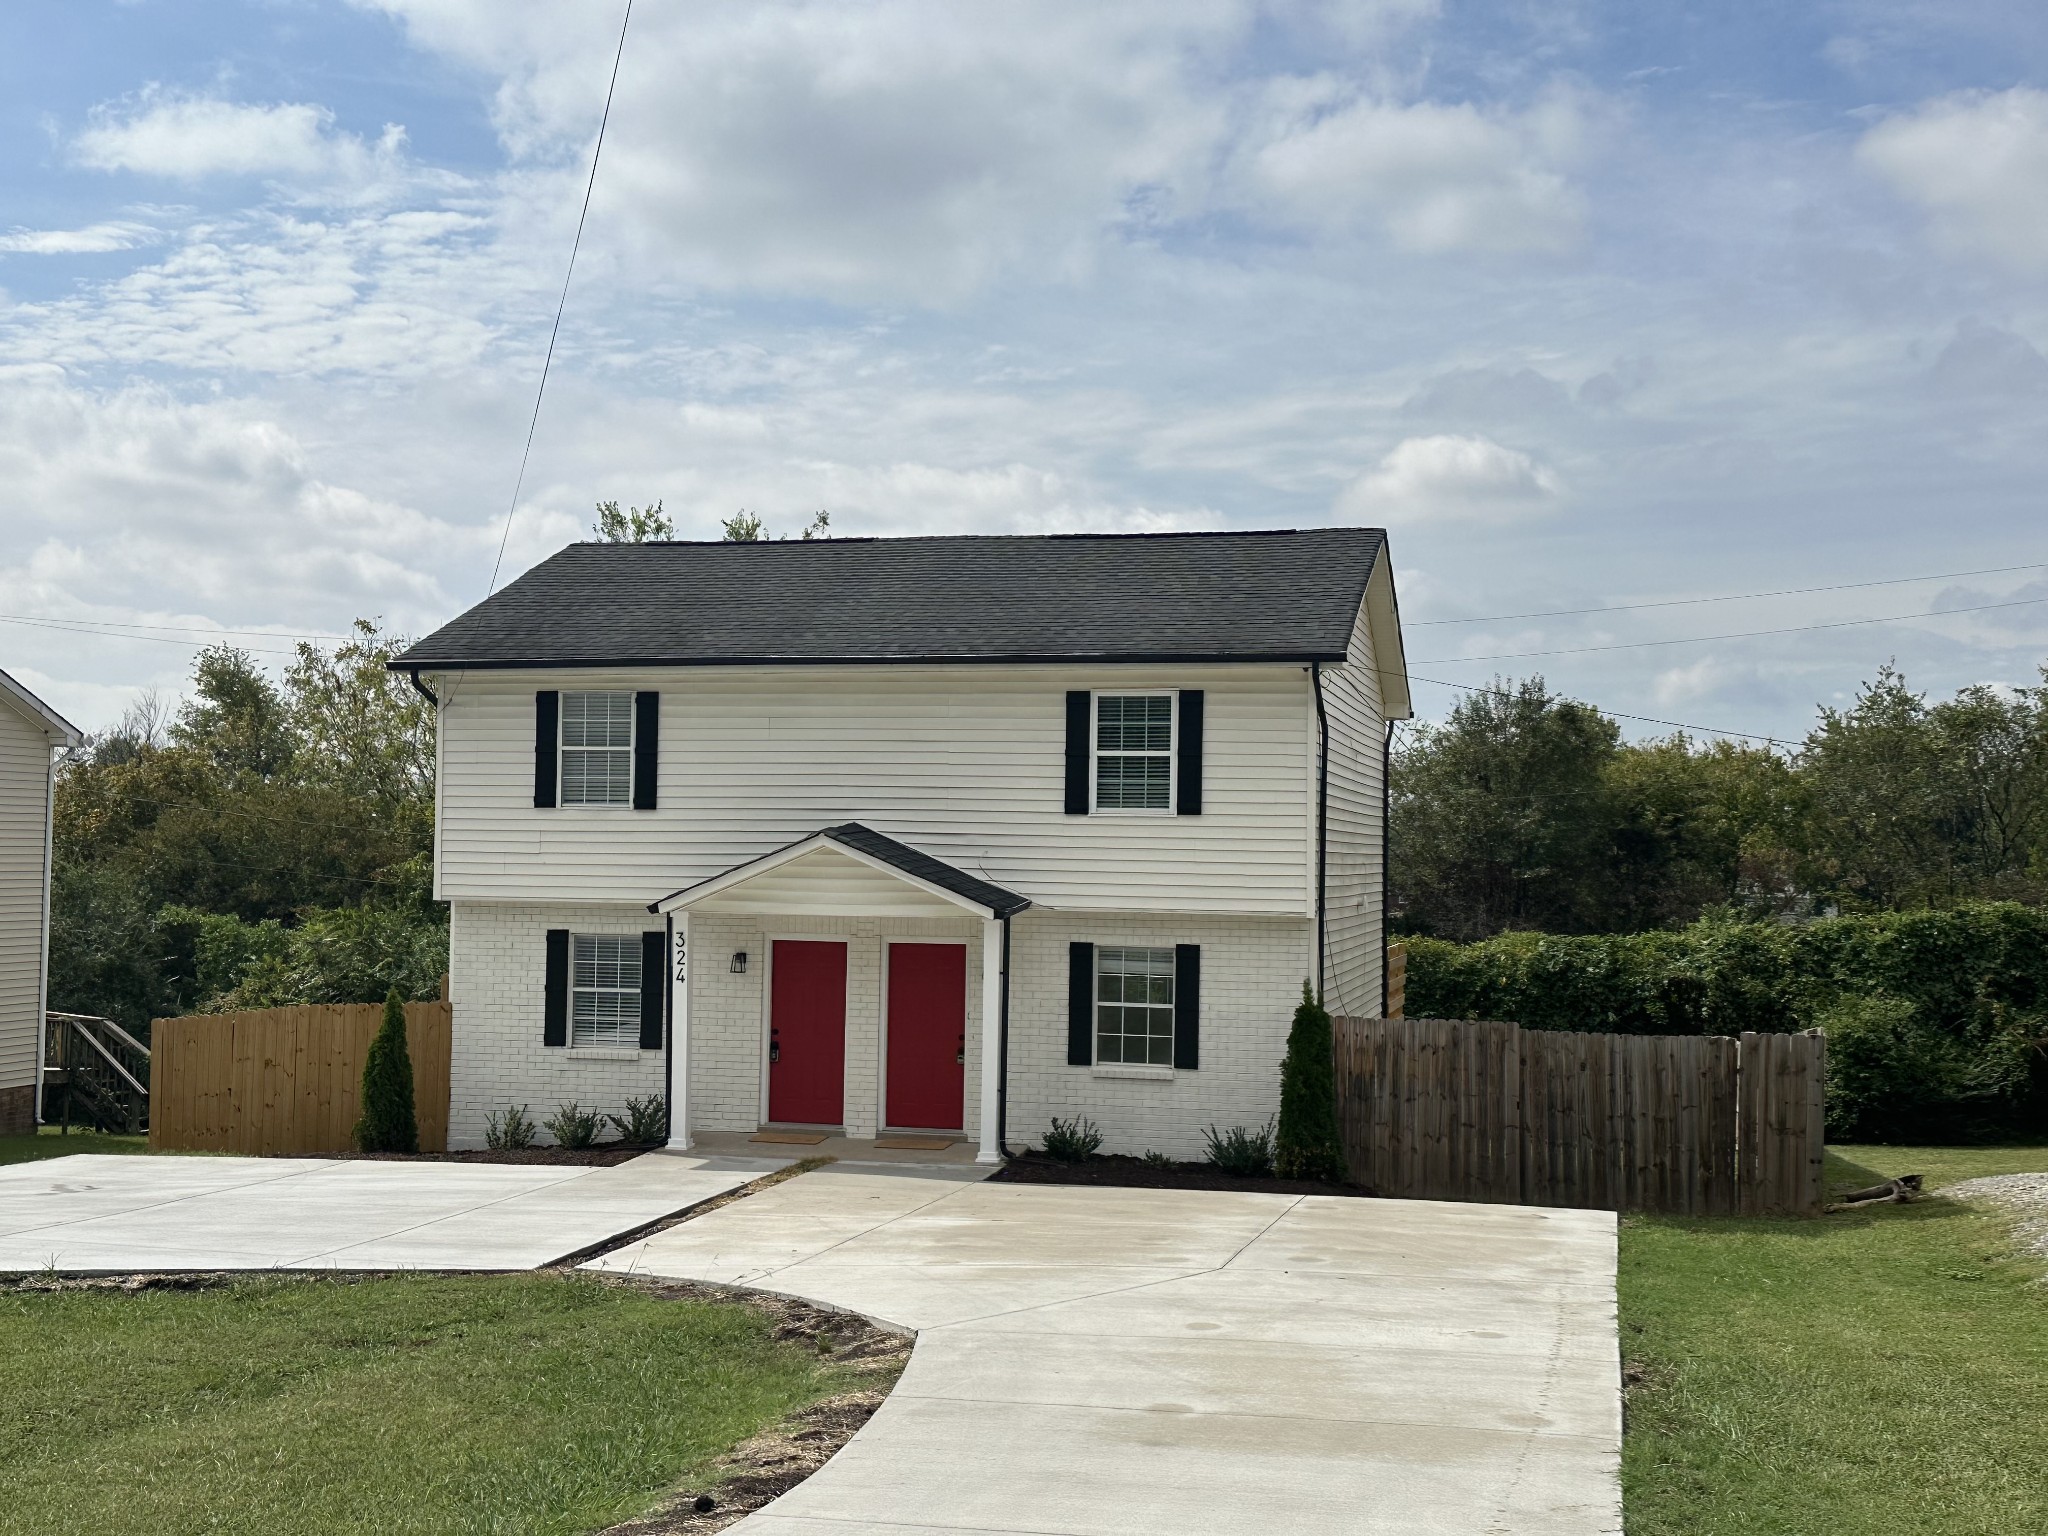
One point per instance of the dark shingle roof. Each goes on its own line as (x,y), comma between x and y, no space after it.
(1284,595)
(912,862)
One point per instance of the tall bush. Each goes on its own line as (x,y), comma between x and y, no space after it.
(1937,1019)
(1306,1145)
(388,1123)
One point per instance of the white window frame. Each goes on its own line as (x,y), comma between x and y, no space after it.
(1096,754)
(627,1032)
(1099,1003)
(563,749)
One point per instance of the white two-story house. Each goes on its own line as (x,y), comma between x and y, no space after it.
(922,834)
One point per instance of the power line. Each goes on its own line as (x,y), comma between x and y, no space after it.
(120,630)
(1731,597)
(1680,725)
(87,627)
(563,303)
(1747,634)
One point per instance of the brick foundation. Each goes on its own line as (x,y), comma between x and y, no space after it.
(18,1111)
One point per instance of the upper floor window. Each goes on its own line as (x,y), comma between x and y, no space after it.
(604,1001)
(1134,1006)
(1134,751)
(597,749)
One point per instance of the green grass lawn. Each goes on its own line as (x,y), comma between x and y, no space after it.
(500,1404)
(1882,1372)
(49,1143)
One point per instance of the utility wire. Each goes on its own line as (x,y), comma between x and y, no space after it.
(563,303)
(116,630)
(1680,725)
(1732,597)
(1747,634)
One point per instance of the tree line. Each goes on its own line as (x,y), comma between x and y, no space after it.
(1528,811)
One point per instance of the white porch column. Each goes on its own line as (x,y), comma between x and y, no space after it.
(991,1035)
(679,1033)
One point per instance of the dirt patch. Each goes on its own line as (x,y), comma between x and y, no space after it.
(1136,1173)
(770,1464)
(2023,1196)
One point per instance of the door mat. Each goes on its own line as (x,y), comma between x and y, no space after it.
(790,1138)
(916,1143)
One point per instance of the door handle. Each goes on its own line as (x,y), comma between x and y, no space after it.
(774,1045)
(960,1054)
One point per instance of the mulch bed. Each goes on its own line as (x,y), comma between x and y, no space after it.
(1135,1173)
(608,1155)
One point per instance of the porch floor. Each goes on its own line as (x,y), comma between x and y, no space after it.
(847,1149)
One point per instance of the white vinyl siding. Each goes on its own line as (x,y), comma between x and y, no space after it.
(1133,1006)
(965,763)
(1134,752)
(597,748)
(1353,894)
(604,990)
(24,802)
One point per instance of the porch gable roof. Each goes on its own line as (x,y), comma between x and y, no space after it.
(868,848)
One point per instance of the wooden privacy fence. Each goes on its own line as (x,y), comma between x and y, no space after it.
(1444,1109)
(286,1079)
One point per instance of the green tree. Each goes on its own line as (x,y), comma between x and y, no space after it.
(635,525)
(388,1123)
(746,528)
(1307,1144)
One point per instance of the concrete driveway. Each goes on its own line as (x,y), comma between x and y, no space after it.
(1128,1362)
(111,1214)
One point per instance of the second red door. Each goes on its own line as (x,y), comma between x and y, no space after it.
(807,1033)
(927,1035)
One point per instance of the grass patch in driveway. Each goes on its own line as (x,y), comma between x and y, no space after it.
(1881,1372)
(50,1143)
(513,1403)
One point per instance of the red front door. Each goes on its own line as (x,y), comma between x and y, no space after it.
(927,1035)
(807,1033)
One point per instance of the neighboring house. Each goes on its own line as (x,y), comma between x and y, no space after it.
(31,735)
(952,834)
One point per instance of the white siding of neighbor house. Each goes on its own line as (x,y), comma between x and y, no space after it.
(963,762)
(1354,901)
(24,811)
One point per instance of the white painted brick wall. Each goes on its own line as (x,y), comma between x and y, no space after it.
(497,980)
(1252,971)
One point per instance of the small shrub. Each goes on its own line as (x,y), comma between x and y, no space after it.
(573,1127)
(388,1123)
(509,1129)
(645,1123)
(1157,1160)
(1072,1141)
(1307,1146)
(1241,1151)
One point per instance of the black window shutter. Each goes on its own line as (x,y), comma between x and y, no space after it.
(646,748)
(653,982)
(1081,1003)
(1187,1006)
(1187,794)
(1078,712)
(547,734)
(555,1031)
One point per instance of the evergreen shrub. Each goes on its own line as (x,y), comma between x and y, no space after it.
(1307,1145)
(388,1123)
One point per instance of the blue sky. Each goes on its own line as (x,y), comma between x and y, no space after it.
(1589,304)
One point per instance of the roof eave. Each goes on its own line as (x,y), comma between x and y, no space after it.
(410,663)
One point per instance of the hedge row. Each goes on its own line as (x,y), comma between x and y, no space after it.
(1937,1020)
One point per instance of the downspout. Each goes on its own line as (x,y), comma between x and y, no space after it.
(43,974)
(1003,1053)
(1315,674)
(1386,851)
(424,691)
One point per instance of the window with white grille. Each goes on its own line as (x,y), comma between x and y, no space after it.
(604,994)
(1134,1006)
(1134,752)
(597,749)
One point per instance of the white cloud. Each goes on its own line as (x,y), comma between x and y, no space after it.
(189,138)
(1434,177)
(1447,479)
(1976,163)
(94,239)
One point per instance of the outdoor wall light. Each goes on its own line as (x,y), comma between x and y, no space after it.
(739,962)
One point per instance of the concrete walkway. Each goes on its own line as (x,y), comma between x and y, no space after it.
(1128,1362)
(103,1214)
